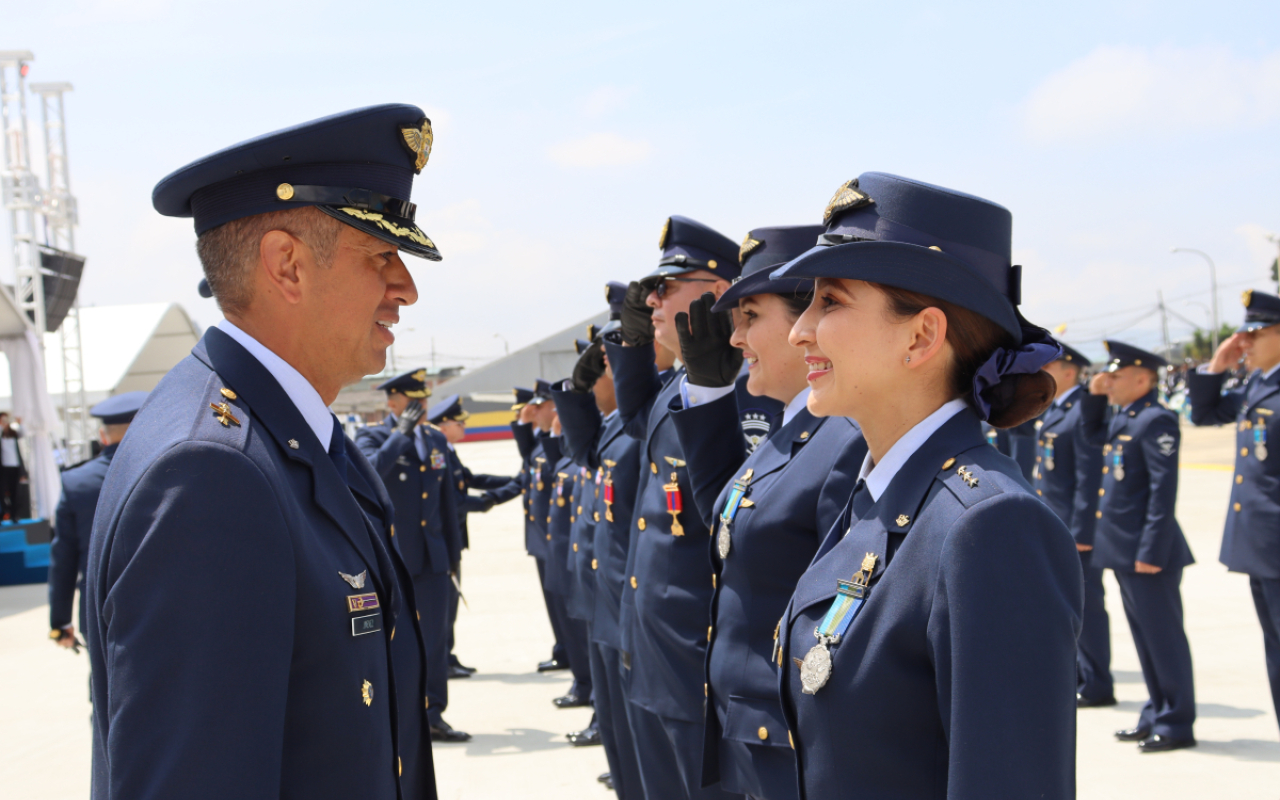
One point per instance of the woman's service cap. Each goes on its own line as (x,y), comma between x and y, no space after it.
(761,252)
(357,167)
(923,238)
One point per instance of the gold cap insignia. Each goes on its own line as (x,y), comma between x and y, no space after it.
(1247,297)
(420,376)
(748,247)
(845,198)
(662,237)
(419,140)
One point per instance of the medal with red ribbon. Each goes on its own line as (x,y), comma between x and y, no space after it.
(675,504)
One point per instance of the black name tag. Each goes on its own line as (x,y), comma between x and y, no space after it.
(362,625)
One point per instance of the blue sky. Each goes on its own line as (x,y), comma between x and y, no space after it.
(567,132)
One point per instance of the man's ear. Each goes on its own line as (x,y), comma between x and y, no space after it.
(280,257)
(720,287)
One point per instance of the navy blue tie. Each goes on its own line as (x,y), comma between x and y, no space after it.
(862,500)
(338,449)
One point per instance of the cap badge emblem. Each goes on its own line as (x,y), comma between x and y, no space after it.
(747,247)
(662,237)
(846,197)
(419,140)
(1247,297)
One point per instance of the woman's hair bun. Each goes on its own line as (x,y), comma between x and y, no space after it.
(1019,398)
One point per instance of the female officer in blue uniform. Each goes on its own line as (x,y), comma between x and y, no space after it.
(929,650)
(769,520)
(1067,474)
(1251,541)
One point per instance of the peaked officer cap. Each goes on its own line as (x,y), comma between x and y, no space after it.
(119,409)
(763,251)
(1126,355)
(446,409)
(541,392)
(1073,356)
(523,396)
(1261,310)
(357,167)
(411,384)
(688,245)
(923,238)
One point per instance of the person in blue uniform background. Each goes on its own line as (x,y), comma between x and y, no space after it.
(73,520)
(409,457)
(768,521)
(450,418)
(1067,473)
(593,434)
(1251,539)
(664,626)
(930,648)
(1139,538)
(243,604)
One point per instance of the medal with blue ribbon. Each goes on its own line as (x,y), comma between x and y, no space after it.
(1048,450)
(739,490)
(1117,462)
(815,670)
(1260,439)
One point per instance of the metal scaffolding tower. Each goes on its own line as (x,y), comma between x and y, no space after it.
(19,188)
(58,207)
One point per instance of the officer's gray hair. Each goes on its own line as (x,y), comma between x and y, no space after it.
(229,252)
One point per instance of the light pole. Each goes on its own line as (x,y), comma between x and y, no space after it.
(506,348)
(1213,284)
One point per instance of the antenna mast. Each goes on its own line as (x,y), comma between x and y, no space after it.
(20,190)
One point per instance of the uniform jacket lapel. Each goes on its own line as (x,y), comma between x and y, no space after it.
(1260,390)
(776,451)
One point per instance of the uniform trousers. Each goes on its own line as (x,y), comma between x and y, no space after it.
(670,756)
(1153,604)
(556,613)
(611,718)
(577,644)
(453,614)
(431,592)
(1093,659)
(1266,599)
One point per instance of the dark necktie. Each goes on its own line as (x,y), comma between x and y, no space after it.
(338,449)
(862,501)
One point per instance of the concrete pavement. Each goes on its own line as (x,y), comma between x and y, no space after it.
(519,748)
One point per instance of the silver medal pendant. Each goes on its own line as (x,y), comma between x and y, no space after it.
(1120,472)
(815,670)
(1260,450)
(1048,463)
(723,540)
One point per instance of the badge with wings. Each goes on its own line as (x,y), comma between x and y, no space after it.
(419,141)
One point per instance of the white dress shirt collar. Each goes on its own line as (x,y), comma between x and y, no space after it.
(798,402)
(1062,398)
(299,389)
(1270,372)
(879,476)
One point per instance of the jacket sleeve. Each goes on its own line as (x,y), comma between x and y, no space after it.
(636,384)
(1159,530)
(523,434)
(582,423)
(711,438)
(510,490)
(1093,418)
(485,482)
(1209,406)
(1003,642)
(449,502)
(1084,505)
(64,564)
(554,451)
(205,704)
(382,453)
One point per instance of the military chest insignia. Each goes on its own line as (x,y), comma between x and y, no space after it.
(1168,444)
(846,197)
(356,581)
(1117,462)
(222,413)
(968,477)
(675,462)
(418,139)
(1049,463)
(437,459)
(362,602)
(747,247)
(815,669)
(755,429)
(366,693)
(902,520)
(724,538)
(675,504)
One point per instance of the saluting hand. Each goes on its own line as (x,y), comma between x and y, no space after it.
(709,358)
(1100,383)
(410,417)
(1229,352)
(526,414)
(1143,568)
(637,317)
(589,368)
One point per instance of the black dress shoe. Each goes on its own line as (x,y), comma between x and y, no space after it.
(458,672)
(1084,702)
(605,777)
(551,665)
(608,781)
(586,738)
(1133,734)
(444,733)
(571,700)
(465,668)
(1163,744)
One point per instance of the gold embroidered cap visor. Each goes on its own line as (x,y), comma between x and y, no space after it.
(357,166)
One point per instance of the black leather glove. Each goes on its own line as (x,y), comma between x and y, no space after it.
(489,502)
(410,417)
(589,368)
(708,357)
(637,317)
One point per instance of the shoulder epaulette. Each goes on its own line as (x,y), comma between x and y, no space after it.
(969,482)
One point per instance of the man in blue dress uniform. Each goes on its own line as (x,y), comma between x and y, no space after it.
(668,583)
(73,521)
(1251,541)
(450,418)
(1139,538)
(565,488)
(409,458)
(1067,474)
(243,604)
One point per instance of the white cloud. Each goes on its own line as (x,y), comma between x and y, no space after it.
(599,150)
(1123,91)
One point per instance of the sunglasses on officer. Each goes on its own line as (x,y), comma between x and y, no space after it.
(661,287)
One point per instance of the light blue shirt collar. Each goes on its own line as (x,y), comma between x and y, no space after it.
(798,402)
(1062,398)
(879,476)
(299,389)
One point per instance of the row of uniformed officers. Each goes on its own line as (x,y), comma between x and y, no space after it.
(812,575)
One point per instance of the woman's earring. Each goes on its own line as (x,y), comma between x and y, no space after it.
(906,360)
